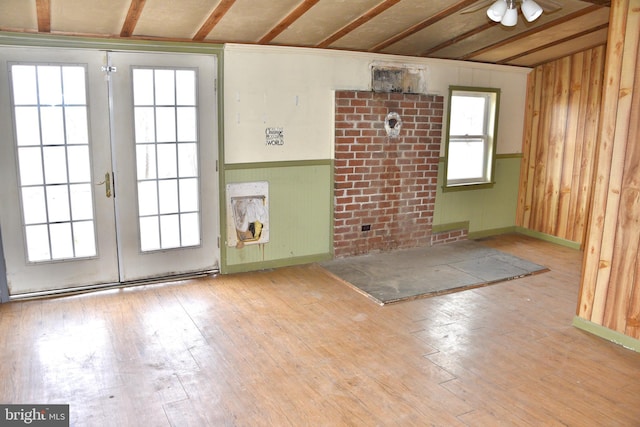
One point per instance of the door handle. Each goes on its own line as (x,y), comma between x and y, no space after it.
(107,184)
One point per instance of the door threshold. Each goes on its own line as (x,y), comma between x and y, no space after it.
(78,290)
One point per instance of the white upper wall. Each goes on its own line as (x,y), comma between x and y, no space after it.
(293,89)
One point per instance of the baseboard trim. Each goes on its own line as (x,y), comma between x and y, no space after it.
(452,226)
(278,263)
(607,334)
(481,234)
(548,238)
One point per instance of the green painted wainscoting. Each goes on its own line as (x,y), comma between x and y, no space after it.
(300,215)
(488,211)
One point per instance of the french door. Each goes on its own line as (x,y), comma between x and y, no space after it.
(108,165)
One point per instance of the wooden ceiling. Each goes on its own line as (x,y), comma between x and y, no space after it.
(422,28)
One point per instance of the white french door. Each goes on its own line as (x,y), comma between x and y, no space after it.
(165,152)
(108,167)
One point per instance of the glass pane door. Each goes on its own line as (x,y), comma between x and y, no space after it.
(58,227)
(165,148)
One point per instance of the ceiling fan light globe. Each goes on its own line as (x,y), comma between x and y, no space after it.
(497,10)
(510,18)
(531,10)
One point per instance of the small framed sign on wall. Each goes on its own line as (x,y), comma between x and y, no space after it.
(274,136)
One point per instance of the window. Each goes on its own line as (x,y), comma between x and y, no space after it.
(51,119)
(471,137)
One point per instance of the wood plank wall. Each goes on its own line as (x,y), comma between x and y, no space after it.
(561,123)
(610,285)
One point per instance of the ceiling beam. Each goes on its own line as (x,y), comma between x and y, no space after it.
(422,25)
(606,3)
(534,30)
(213,19)
(364,18)
(288,20)
(43,9)
(555,42)
(135,10)
(459,38)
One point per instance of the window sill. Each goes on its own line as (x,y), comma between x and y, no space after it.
(467,186)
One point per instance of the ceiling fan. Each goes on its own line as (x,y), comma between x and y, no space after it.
(506,11)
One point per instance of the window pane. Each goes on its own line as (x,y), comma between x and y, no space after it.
(186,87)
(33,205)
(187,124)
(76,121)
(467,115)
(38,243)
(74,87)
(61,241)
(81,202)
(188,195)
(55,165)
(166,124)
(30,165)
(466,159)
(145,124)
(147,198)
(188,160)
(170,231)
(149,233)
(142,87)
(49,85)
(146,161)
(84,239)
(168,196)
(80,170)
(58,203)
(165,87)
(52,125)
(167,162)
(27,126)
(24,84)
(190,229)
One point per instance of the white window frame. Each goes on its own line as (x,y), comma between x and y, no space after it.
(488,138)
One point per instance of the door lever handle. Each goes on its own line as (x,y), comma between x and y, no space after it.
(107,184)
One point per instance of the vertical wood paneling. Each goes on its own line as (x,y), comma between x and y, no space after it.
(571,173)
(578,107)
(587,132)
(627,237)
(609,294)
(556,159)
(559,145)
(528,166)
(541,154)
(597,270)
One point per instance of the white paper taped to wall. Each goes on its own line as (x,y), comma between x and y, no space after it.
(247,213)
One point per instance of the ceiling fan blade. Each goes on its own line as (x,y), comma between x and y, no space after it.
(476,7)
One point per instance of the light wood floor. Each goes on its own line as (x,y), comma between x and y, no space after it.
(295,347)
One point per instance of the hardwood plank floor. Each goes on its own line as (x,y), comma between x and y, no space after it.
(296,347)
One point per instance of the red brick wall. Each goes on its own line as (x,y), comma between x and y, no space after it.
(449,236)
(385,182)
